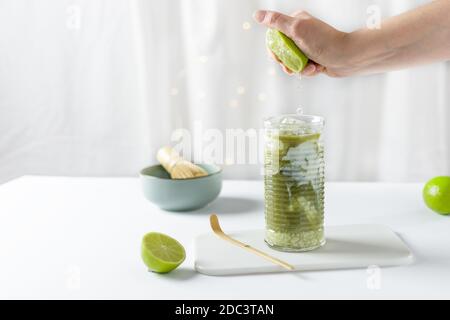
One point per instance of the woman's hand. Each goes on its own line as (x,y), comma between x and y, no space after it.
(416,37)
(327,48)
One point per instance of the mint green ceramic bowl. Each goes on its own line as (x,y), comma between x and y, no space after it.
(181,195)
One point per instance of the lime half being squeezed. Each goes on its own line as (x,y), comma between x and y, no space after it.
(286,50)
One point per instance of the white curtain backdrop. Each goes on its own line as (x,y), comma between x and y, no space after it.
(94,87)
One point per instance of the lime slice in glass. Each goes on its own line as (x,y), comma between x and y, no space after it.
(161,253)
(286,50)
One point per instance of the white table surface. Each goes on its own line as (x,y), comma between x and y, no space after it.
(72,238)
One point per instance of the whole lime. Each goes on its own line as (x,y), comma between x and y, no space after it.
(436,194)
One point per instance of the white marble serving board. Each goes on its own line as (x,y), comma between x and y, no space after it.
(349,246)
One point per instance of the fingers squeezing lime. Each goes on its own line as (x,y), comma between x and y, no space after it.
(161,253)
(286,50)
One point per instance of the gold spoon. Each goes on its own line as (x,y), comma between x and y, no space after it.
(214,221)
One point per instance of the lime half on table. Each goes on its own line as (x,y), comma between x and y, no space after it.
(286,50)
(161,253)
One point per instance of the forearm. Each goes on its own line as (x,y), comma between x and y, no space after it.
(416,37)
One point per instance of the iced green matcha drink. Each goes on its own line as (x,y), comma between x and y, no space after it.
(294,182)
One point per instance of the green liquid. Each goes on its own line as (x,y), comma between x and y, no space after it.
(294,191)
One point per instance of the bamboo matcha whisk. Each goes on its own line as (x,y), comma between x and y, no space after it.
(178,167)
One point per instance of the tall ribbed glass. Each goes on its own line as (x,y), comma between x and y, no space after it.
(294,182)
